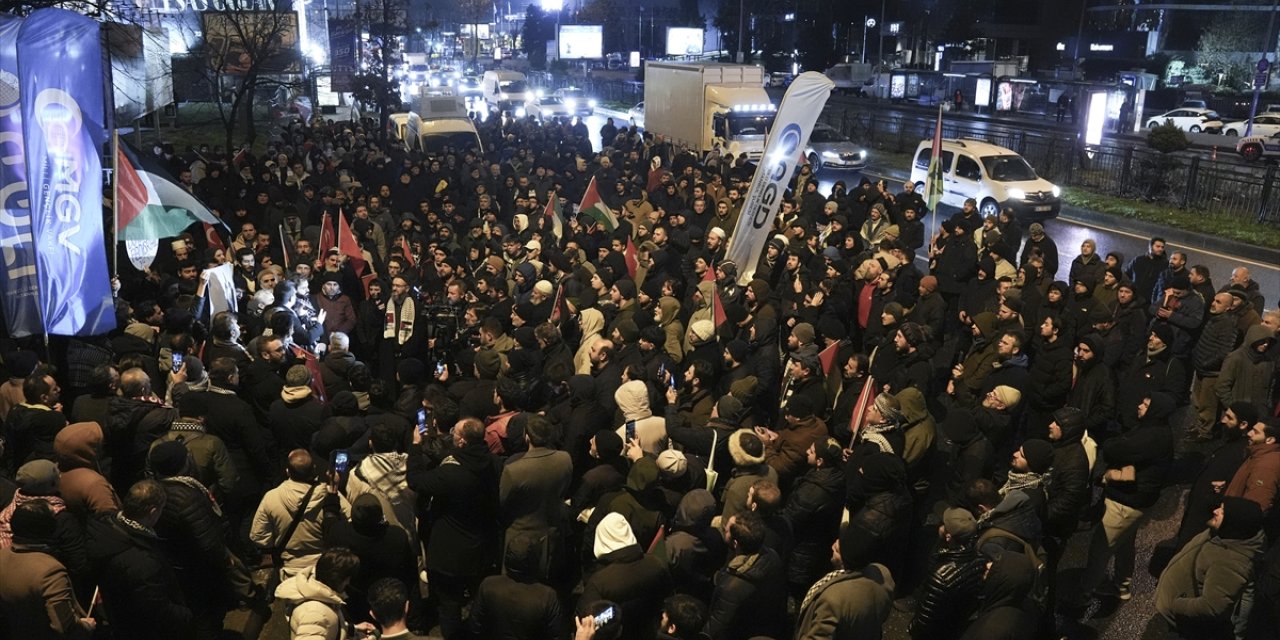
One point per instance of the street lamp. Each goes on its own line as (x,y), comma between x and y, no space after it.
(869,23)
(741,26)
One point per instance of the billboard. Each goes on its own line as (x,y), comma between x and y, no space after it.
(581,41)
(141,70)
(234,39)
(343,35)
(684,41)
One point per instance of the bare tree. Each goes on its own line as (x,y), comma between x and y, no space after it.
(247,52)
(387,21)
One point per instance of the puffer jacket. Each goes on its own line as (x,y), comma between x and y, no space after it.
(633,401)
(314,609)
(749,599)
(1148,448)
(949,595)
(1068,488)
(1050,373)
(132,425)
(813,510)
(83,487)
(1217,337)
(195,534)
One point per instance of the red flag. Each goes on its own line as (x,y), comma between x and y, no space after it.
(655,178)
(348,245)
(365,280)
(312,363)
(558,309)
(717,309)
(865,398)
(408,253)
(709,275)
(327,238)
(828,357)
(211,237)
(629,255)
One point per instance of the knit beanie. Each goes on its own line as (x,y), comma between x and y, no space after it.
(1007,395)
(1039,455)
(38,478)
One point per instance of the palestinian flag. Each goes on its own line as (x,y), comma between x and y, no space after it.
(555,215)
(312,362)
(349,246)
(828,357)
(593,206)
(629,256)
(150,205)
(933,183)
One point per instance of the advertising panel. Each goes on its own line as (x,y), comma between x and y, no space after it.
(235,41)
(581,42)
(684,41)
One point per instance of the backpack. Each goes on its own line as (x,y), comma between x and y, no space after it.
(1039,559)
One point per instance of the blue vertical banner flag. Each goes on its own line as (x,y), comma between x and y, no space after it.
(18,283)
(61,82)
(342,54)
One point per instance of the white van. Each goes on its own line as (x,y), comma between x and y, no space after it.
(458,133)
(405,127)
(994,176)
(506,91)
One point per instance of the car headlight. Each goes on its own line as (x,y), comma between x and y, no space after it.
(862,154)
(592,103)
(570,104)
(520,112)
(539,93)
(1017,194)
(1057,191)
(831,154)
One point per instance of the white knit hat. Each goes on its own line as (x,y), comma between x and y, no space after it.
(613,533)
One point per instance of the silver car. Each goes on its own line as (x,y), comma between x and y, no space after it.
(830,149)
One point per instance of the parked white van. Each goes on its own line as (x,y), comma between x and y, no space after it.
(992,175)
(506,91)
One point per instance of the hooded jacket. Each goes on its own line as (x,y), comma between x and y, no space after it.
(633,401)
(749,598)
(316,608)
(1005,614)
(920,429)
(1093,391)
(1258,477)
(137,581)
(84,489)
(1246,374)
(1199,588)
(672,328)
(855,604)
(747,470)
(1068,487)
(592,322)
(1148,448)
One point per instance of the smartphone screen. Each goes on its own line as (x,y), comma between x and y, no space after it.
(177,362)
(439,368)
(631,431)
(604,617)
(340,461)
(422,421)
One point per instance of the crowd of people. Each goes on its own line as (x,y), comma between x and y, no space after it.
(494,413)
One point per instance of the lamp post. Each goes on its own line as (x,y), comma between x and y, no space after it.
(742,12)
(880,50)
(1264,67)
(867,23)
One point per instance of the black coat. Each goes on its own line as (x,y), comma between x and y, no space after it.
(138,582)
(949,595)
(749,600)
(384,551)
(195,535)
(132,425)
(1050,374)
(1069,490)
(293,423)
(462,491)
(636,581)
(1149,449)
(813,510)
(509,609)
(1094,394)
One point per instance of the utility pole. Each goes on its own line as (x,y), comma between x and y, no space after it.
(742,14)
(880,53)
(1264,66)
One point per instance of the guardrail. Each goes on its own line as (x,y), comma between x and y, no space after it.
(1185,181)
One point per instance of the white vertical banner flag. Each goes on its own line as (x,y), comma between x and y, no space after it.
(221,289)
(799,111)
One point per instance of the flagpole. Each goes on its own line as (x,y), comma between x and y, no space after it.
(115,203)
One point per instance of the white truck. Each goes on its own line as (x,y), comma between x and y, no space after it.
(445,121)
(852,77)
(506,91)
(709,105)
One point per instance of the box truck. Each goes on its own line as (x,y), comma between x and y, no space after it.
(709,105)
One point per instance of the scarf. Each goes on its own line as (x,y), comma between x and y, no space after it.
(1023,480)
(873,433)
(6,517)
(295,394)
(819,586)
(198,486)
(134,525)
(402,329)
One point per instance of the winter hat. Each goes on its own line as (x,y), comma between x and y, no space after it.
(1039,455)
(543,287)
(718,232)
(1014,303)
(703,330)
(1037,229)
(728,408)
(38,478)
(912,333)
(366,512)
(628,329)
(889,407)
(488,363)
(33,524)
(803,332)
(672,463)
(746,448)
(22,363)
(1180,281)
(1007,395)
(1068,419)
(626,288)
(1100,314)
(297,376)
(1241,519)
(608,444)
(894,309)
(525,310)
(613,533)
(526,337)
(738,350)
(856,546)
(168,458)
(929,283)
(653,334)
(959,426)
(1164,331)
(960,523)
